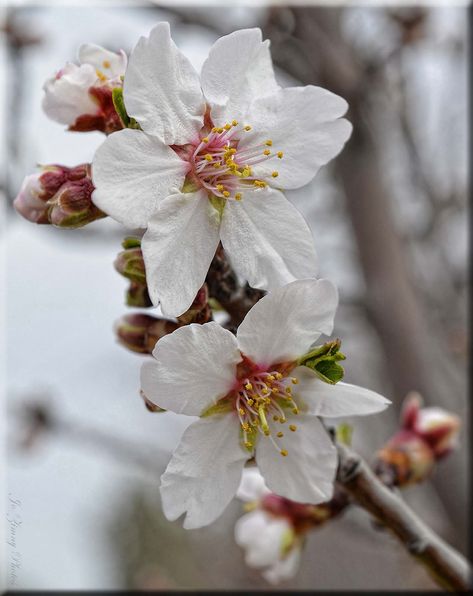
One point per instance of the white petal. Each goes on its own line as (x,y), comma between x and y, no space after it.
(302,122)
(195,366)
(132,172)
(109,63)
(162,90)
(252,486)
(268,241)
(341,399)
(203,474)
(261,535)
(307,473)
(238,70)
(285,568)
(283,324)
(178,247)
(67,94)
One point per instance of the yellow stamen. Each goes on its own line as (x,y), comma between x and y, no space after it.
(242,411)
(295,380)
(295,410)
(226,194)
(283,452)
(280,434)
(208,157)
(293,427)
(269,143)
(247,127)
(238,196)
(205,140)
(280,154)
(275,174)
(249,386)
(266,152)
(234,122)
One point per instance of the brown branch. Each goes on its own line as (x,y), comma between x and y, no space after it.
(448,567)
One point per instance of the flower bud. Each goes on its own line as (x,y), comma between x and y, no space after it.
(30,201)
(60,196)
(131,265)
(426,435)
(140,332)
(199,311)
(81,95)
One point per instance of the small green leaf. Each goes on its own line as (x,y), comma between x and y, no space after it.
(323,360)
(119,105)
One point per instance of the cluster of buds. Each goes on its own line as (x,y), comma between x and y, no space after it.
(130,264)
(81,96)
(274,529)
(426,436)
(58,195)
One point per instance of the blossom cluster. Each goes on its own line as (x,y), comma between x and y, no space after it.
(201,162)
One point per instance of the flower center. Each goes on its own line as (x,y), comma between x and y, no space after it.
(262,396)
(220,166)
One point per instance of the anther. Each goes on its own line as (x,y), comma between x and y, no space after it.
(292,427)
(275,418)
(234,122)
(269,143)
(249,386)
(238,196)
(283,452)
(280,435)
(247,127)
(226,194)
(242,411)
(205,140)
(295,410)
(295,380)
(275,174)
(280,154)
(266,152)
(106,64)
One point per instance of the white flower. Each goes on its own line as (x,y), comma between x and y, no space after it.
(253,400)
(210,162)
(270,544)
(269,540)
(68,94)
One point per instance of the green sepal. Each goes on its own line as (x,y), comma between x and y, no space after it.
(344,433)
(223,406)
(323,360)
(131,242)
(215,305)
(287,542)
(119,105)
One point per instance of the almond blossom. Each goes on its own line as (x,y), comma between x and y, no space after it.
(270,540)
(81,95)
(210,161)
(253,399)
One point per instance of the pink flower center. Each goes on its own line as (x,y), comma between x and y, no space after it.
(262,396)
(222,167)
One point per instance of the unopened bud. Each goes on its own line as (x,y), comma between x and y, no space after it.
(140,332)
(426,435)
(60,196)
(131,265)
(199,311)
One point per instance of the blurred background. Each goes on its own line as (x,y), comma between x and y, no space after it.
(389,218)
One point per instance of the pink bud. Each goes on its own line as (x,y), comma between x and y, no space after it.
(439,429)
(30,201)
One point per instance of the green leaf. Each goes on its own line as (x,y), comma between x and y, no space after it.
(323,360)
(119,105)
